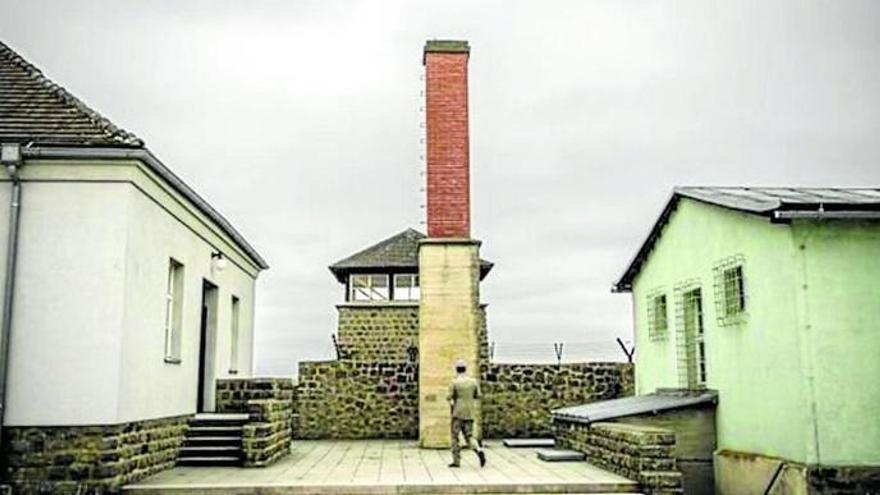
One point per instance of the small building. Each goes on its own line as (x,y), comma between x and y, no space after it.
(130,294)
(770,297)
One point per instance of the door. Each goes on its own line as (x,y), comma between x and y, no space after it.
(207,348)
(694,333)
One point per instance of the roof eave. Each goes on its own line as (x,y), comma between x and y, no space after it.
(145,156)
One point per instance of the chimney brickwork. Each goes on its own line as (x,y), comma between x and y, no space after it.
(449,260)
(446,94)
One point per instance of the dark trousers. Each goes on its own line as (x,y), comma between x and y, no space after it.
(466,427)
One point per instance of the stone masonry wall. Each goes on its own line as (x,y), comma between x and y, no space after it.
(518,398)
(266,437)
(352,400)
(386,333)
(89,459)
(641,453)
(233,394)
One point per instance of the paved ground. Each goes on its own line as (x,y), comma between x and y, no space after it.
(389,466)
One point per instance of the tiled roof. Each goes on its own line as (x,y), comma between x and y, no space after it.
(34,109)
(776,203)
(398,251)
(661,400)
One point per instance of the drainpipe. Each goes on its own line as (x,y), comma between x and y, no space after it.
(10,156)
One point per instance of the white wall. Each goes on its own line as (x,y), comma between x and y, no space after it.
(87,343)
(150,387)
(65,339)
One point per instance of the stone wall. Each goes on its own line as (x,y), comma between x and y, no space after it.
(518,398)
(640,453)
(89,459)
(378,333)
(233,394)
(266,436)
(349,400)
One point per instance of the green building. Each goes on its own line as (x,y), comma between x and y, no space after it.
(771,297)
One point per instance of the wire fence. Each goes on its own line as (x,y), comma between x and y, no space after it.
(562,352)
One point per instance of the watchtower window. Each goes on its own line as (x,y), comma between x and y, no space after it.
(372,287)
(406,287)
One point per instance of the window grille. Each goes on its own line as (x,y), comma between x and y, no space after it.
(690,335)
(658,320)
(730,290)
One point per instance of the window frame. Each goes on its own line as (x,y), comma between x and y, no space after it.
(174,292)
(731,292)
(351,287)
(414,287)
(234,333)
(656,332)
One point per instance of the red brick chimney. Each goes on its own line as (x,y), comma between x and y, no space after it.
(446,91)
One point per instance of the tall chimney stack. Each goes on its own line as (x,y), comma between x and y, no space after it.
(449,259)
(446,92)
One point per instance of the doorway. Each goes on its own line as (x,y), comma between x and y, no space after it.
(207,347)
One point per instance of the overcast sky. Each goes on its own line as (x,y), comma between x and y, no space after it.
(300,122)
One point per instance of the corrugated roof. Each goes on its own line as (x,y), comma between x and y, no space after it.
(398,251)
(776,203)
(34,109)
(662,400)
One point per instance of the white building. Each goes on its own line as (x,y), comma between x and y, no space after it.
(131,293)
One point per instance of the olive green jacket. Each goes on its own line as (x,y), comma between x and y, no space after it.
(464,394)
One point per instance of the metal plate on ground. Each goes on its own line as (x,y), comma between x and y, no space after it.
(529,443)
(560,455)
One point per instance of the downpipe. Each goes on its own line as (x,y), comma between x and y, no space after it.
(9,288)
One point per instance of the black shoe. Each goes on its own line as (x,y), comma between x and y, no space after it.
(482,456)
(454,465)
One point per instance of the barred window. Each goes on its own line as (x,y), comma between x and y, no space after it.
(658,320)
(730,291)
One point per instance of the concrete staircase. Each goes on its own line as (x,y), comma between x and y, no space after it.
(213,440)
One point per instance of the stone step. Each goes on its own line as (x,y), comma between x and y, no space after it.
(197,441)
(529,443)
(221,417)
(209,461)
(211,450)
(214,431)
(560,455)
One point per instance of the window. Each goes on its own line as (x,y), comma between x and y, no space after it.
(368,287)
(173,311)
(658,322)
(406,287)
(233,338)
(695,352)
(730,291)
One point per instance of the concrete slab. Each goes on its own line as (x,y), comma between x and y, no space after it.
(560,455)
(388,467)
(529,443)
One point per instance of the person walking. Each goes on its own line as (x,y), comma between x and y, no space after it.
(464,396)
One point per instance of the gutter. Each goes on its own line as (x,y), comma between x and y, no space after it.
(826,215)
(144,155)
(9,284)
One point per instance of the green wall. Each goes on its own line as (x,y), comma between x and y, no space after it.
(762,366)
(840,322)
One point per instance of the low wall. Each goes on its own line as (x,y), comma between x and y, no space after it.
(640,453)
(745,473)
(518,398)
(266,437)
(233,394)
(89,459)
(355,400)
